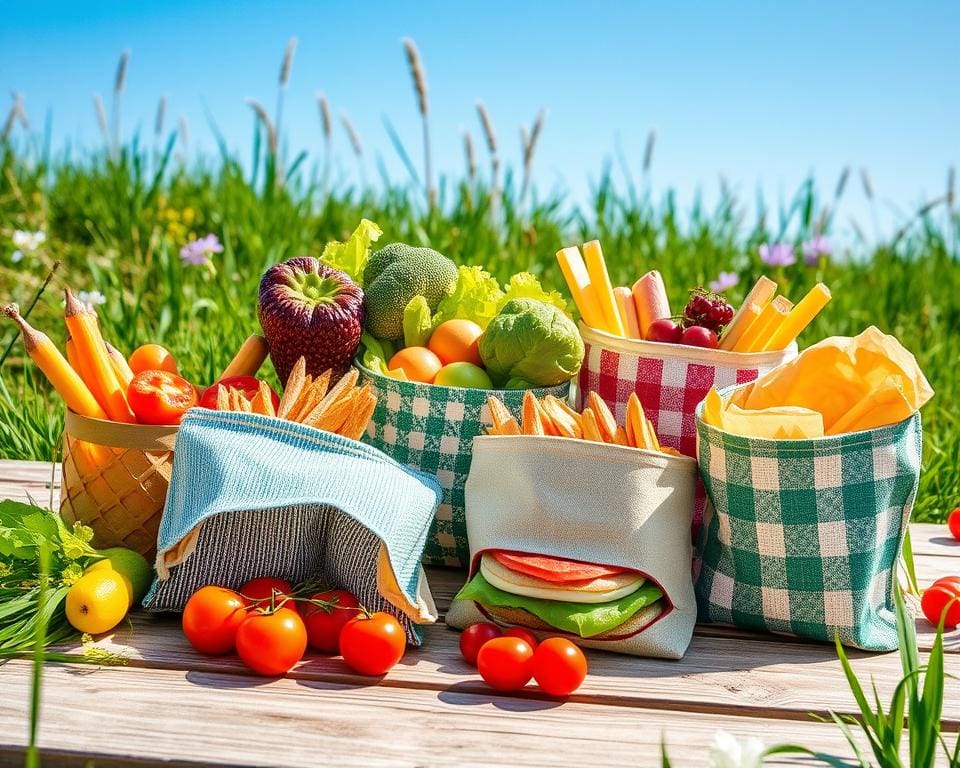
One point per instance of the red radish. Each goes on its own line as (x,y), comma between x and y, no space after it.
(665,331)
(698,336)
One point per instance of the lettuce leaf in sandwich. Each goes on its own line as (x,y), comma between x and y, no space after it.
(577,618)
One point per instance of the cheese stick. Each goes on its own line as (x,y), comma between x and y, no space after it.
(578,281)
(760,295)
(758,330)
(800,317)
(650,298)
(628,312)
(602,288)
(781,307)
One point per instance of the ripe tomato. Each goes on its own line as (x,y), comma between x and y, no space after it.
(953,523)
(259,591)
(419,363)
(473,638)
(323,627)
(935,601)
(457,341)
(505,663)
(271,643)
(524,634)
(152,357)
(212,617)
(698,336)
(160,397)
(247,385)
(665,331)
(371,646)
(559,666)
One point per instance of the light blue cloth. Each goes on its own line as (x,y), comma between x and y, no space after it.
(228,462)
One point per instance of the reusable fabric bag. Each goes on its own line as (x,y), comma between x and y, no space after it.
(804,536)
(431,428)
(593,502)
(256,496)
(670,379)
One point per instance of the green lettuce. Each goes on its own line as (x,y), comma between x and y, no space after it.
(525,285)
(375,353)
(417,322)
(351,256)
(476,296)
(586,620)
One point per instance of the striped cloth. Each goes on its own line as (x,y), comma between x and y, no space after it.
(277,498)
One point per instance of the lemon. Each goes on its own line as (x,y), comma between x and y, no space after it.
(97,601)
(132,566)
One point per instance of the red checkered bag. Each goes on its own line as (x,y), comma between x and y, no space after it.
(670,380)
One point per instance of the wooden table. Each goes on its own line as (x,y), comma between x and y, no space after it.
(169,705)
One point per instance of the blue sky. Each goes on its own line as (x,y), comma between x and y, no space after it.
(762,93)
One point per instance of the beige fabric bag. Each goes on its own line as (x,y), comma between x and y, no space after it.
(593,502)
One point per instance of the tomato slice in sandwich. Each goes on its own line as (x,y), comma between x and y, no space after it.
(558,570)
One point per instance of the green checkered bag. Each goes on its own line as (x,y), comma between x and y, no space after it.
(804,536)
(431,428)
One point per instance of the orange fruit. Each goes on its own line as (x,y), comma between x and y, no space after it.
(418,363)
(152,357)
(457,341)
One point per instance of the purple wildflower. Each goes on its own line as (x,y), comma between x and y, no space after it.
(198,252)
(777,255)
(724,281)
(816,247)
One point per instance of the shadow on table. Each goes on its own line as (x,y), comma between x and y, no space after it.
(468,694)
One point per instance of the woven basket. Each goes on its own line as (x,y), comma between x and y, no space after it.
(115,479)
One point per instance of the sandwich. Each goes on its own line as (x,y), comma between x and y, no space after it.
(556,594)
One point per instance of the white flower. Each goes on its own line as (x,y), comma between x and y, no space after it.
(729,752)
(29,241)
(91,298)
(16,257)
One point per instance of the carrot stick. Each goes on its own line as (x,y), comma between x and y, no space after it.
(104,384)
(48,359)
(248,359)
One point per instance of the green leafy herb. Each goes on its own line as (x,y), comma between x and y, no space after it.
(417,322)
(31,597)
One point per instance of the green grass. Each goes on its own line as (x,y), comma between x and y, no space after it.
(117,222)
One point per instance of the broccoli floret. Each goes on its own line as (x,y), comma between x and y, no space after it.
(397,273)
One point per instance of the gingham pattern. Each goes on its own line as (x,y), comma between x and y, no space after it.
(431,429)
(670,385)
(804,536)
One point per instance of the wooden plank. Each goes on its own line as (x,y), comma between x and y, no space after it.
(13,470)
(772,678)
(225,719)
(934,539)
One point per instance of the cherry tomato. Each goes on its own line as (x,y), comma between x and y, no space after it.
(160,397)
(665,331)
(952,582)
(505,663)
(211,619)
(259,591)
(271,643)
(247,385)
(698,336)
(152,357)
(323,628)
(473,638)
(953,523)
(371,646)
(524,634)
(559,666)
(935,600)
